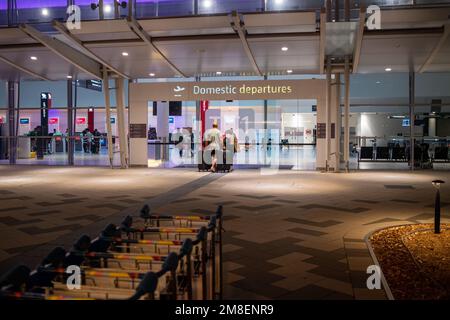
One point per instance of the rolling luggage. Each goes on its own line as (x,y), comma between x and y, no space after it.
(227,161)
(204,161)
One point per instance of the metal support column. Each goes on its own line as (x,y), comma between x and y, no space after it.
(131,5)
(123,141)
(116,10)
(328,7)
(337,134)
(347,114)
(12,106)
(108,117)
(101,14)
(328,117)
(197,106)
(411,116)
(265,112)
(347,10)
(336,10)
(70,128)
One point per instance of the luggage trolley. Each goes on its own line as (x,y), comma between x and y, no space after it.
(136,258)
(21,284)
(214,224)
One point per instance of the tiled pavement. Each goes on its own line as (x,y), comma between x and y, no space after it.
(293,235)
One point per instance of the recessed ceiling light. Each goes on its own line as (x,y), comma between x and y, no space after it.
(289,71)
(219,73)
(284,49)
(44,12)
(279,1)
(388,69)
(151,74)
(125,54)
(378,82)
(33,58)
(107,8)
(69,77)
(207,3)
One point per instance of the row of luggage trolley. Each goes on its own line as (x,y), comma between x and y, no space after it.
(150,257)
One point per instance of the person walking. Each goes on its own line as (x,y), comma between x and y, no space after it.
(213,144)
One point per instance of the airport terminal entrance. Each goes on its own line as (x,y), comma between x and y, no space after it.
(272,123)
(265,132)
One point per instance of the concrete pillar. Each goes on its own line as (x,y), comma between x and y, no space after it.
(123,139)
(138,114)
(13,99)
(108,117)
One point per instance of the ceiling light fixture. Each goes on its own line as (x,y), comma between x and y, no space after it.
(151,74)
(33,58)
(289,71)
(219,73)
(69,77)
(125,54)
(107,8)
(207,3)
(284,49)
(44,12)
(388,69)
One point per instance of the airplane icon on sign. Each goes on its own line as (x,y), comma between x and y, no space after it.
(179,89)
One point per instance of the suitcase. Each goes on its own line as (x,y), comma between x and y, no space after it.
(227,161)
(202,164)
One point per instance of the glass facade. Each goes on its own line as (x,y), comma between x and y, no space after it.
(44,11)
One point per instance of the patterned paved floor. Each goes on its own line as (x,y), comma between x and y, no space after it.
(293,235)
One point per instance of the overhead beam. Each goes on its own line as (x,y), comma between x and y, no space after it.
(323,38)
(239,27)
(134,25)
(25,70)
(359,39)
(66,52)
(436,49)
(82,48)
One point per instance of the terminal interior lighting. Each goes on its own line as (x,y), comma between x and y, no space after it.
(44,12)
(289,71)
(125,54)
(388,69)
(33,58)
(107,8)
(207,3)
(284,49)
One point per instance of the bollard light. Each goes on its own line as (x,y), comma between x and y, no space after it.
(437,206)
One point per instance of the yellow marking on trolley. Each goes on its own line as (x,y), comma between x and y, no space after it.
(66,298)
(179,230)
(160,242)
